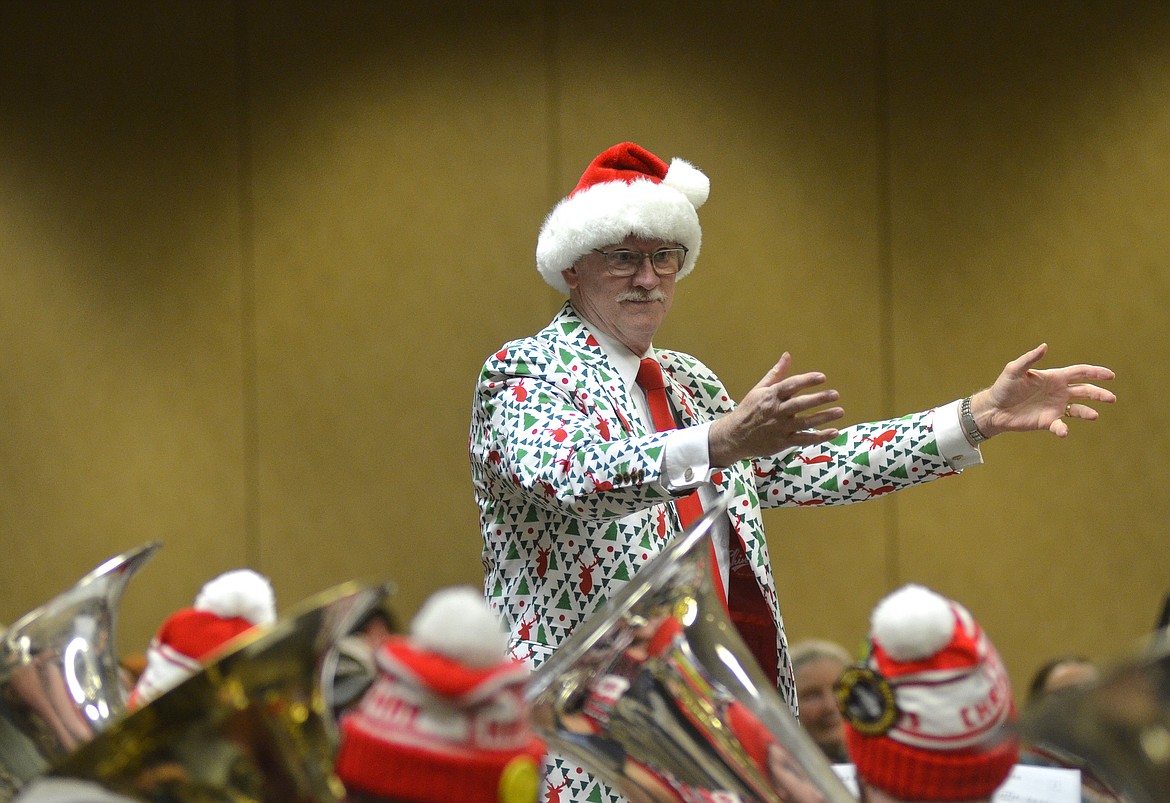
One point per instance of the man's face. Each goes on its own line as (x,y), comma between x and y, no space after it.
(629,308)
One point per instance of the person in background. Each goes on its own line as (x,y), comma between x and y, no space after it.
(1059,676)
(1063,672)
(928,714)
(355,668)
(816,666)
(445,719)
(591,447)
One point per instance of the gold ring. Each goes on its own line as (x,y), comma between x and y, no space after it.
(1068,409)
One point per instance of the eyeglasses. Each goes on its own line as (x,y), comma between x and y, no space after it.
(622,262)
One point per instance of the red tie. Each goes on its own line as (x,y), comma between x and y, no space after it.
(748,610)
(690,509)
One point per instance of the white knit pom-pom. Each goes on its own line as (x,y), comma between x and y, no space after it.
(458,623)
(240,592)
(912,623)
(689,180)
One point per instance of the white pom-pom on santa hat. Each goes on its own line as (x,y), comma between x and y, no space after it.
(241,592)
(689,180)
(913,623)
(457,622)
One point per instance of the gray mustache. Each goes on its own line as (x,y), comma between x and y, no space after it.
(642,295)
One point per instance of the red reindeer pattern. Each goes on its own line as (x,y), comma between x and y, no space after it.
(525,631)
(560,433)
(542,561)
(553,793)
(586,574)
(566,462)
(882,439)
(603,428)
(662,531)
(523,658)
(600,485)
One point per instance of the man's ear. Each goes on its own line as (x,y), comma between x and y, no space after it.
(570,276)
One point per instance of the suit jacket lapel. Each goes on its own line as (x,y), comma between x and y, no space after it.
(569,331)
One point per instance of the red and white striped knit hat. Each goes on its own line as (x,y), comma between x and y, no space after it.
(923,715)
(446,718)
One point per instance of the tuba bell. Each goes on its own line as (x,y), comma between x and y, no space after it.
(659,697)
(1116,730)
(251,727)
(60,679)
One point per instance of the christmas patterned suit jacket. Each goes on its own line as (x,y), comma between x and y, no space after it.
(565,477)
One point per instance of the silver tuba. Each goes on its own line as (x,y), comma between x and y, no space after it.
(659,697)
(60,680)
(252,727)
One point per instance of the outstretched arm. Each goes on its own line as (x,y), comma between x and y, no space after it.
(1024,398)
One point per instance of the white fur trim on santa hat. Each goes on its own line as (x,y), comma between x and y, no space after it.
(458,623)
(241,592)
(913,623)
(607,213)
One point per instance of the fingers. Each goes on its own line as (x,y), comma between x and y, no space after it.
(1087,373)
(1020,365)
(1092,392)
(1059,428)
(1081,411)
(778,389)
(777,372)
(822,417)
(1081,372)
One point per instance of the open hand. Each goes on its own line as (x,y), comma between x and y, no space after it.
(1024,398)
(775,415)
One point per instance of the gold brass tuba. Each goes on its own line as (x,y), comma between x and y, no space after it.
(1115,730)
(60,679)
(659,697)
(252,726)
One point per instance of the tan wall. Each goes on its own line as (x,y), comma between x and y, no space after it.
(254,253)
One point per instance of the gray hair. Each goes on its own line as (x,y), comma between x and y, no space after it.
(811,650)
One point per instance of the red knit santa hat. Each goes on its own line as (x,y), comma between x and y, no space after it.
(446,719)
(922,715)
(625,190)
(231,604)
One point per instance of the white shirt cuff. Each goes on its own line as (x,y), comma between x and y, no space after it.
(953,445)
(686,459)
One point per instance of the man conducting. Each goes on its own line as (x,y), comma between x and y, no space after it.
(591,448)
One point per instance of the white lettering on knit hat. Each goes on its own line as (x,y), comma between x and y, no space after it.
(404,714)
(956,712)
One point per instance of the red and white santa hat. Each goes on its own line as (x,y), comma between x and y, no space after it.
(924,715)
(227,606)
(625,190)
(446,719)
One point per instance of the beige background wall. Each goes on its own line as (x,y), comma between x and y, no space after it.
(253,254)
